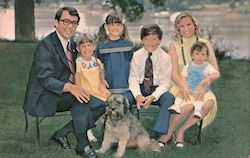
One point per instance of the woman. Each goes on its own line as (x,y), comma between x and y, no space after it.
(187,32)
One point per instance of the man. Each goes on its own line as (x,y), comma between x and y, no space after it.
(51,85)
(150,76)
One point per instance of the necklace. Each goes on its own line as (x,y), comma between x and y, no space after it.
(182,50)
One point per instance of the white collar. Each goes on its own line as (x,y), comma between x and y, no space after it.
(63,41)
(154,53)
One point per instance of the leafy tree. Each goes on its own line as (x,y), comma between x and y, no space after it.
(132,9)
(158,3)
(178,5)
(24,20)
(4,3)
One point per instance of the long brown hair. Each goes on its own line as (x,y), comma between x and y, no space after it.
(113,17)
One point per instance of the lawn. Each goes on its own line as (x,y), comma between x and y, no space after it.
(227,137)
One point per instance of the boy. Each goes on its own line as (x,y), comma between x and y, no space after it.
(150,76)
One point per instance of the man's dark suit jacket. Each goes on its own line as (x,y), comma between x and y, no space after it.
(49,72)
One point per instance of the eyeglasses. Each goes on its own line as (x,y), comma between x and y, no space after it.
(66,22)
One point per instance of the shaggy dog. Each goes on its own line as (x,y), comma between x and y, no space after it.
(124,127)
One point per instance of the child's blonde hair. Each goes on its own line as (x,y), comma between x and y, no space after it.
(177,34)
(88,38)
(113,17)
(85,38)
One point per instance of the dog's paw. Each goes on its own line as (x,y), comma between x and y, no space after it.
(99,151)
(117,155)
(154,146)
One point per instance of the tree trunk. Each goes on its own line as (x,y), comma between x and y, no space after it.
(24,20)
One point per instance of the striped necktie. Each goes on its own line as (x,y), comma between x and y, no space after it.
(71,63)
(148,76)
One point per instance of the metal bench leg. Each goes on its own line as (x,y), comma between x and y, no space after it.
(138,114)
(26,121)
(199,132)
(37,130)
(103,126)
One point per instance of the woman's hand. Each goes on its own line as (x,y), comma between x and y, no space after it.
(185,91)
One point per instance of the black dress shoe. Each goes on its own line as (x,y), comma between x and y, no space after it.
(154,135)
(63,141)
(87,152)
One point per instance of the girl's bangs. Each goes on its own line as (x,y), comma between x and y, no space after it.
(112,20)
(87,41)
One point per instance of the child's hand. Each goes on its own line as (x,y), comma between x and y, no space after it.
(199,93)
(148,100)
(104,91)
(139,101)
(208,80)
(205,82)
(106,84)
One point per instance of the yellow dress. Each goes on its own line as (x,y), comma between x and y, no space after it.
(187,43)
(90,79)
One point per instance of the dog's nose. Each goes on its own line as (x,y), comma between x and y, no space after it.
(112,109)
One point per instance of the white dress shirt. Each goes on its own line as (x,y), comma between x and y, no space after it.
(63,41)
(162,70)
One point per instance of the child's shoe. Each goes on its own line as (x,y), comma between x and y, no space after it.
(91,136)
(174,109)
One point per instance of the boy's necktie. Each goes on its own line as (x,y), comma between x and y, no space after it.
(148,77)
(71,63)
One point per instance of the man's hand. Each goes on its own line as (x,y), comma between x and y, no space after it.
(81,94)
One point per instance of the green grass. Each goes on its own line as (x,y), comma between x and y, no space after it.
(227,137)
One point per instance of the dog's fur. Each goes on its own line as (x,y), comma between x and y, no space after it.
(124,127)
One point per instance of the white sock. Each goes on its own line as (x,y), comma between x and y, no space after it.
(198,105)
(91,136)
(178,101)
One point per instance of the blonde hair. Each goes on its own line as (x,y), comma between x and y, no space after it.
(88,38)
(85,38)
(113,17)
(177,34)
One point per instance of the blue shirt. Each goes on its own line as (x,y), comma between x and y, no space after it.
(196,75)
(116,57)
